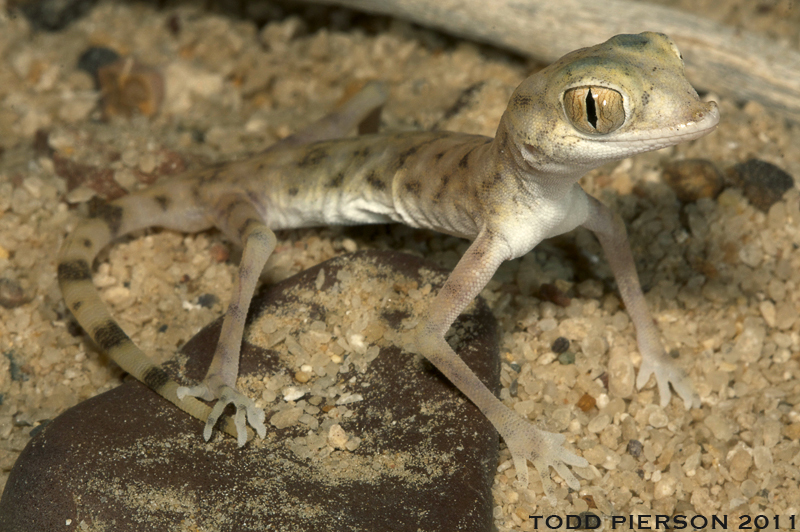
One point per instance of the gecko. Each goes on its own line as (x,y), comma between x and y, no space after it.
(505,194)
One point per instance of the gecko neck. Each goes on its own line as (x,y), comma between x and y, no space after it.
(536,174)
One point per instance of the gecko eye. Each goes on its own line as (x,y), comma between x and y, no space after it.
(594,109)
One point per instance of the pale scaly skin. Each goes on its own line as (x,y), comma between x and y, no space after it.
(626,96)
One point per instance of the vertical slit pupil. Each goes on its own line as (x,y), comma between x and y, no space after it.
(591,110)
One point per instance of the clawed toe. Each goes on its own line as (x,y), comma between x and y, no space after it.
(665,375)
(246,410)
(544,450)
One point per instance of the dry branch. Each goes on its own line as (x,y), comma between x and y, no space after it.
(721,59)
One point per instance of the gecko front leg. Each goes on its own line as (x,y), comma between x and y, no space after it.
(524,441)
(610,231)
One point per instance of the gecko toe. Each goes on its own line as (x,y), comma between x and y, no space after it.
(666,374)
(544,450)
(246,410)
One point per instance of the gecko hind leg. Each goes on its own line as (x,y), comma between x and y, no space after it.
(362,110)
(239,219)
(243,224)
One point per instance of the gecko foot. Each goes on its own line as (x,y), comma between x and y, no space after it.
(666,373)
(246,411)
(544,450)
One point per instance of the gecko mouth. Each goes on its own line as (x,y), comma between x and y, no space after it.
(704,122)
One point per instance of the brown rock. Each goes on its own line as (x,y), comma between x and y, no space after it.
(129,87)
(416,454)
(692,179)
(762,183)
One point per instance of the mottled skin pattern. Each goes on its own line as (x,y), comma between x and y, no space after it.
(599,104)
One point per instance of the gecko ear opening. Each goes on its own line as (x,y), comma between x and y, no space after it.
(594,109)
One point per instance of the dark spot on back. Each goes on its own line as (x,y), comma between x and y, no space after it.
(363,152)
(336,181)
(313,158)
(163,201)
(87,243)
(155,378)
(375,182)
(293,191)
(74,270)
(109,335)
(109,213)
(401,159)
(414,188)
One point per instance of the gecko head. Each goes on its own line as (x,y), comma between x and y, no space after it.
(625,96)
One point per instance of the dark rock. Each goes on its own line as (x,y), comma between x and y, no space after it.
(128,460)
(96,57)
(53,15)
(635,448)
(762,183)
(130,87)
(550,292)
(11,294)
(692,179)
(560,345)
(207,300)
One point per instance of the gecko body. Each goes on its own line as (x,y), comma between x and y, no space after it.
(505,194)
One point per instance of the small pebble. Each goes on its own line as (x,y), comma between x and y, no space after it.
(54,15)
(130,87)
(621,375)
(762,183)
(549,292)
(719,426)
(566,358)
(560,345)
(665,487)
(740,463)
(96,57)
(762,457)
(692,179)
(207,300)
(792,432)
(41,143)
(293,393)
(635,448)
(337,437)
(219,252)
(586,402)
(286,418)
(11,294)
(658,418)
(515,367)
(598,423)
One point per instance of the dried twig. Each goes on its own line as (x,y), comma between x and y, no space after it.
(729,62)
